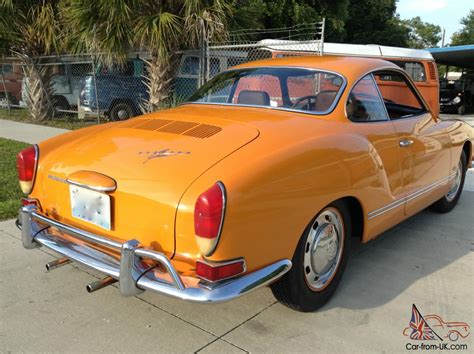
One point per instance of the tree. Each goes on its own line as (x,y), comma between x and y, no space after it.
(162,28)
(466,34)
(31,29)
(375,22)
(422,34)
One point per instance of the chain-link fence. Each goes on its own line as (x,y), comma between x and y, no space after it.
(82,87)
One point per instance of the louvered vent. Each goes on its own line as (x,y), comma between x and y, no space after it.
(432,71)
(153,124)
(177,127)
(195,130)
(203,131)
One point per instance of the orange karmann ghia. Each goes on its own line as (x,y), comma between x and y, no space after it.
(262,177)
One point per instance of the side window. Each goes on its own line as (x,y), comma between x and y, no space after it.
(364,103)
(415,69)
(190,66)
(398,95)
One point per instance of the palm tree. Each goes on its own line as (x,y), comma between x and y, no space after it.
(30,29)
(163,28)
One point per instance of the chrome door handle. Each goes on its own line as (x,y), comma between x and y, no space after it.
(406,142)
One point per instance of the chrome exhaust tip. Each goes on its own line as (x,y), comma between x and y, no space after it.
(99,284)
(57,263)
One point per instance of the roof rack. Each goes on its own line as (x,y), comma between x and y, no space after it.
(366,50)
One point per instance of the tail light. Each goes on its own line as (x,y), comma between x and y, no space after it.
(26,163)
(209,217)
(215,272)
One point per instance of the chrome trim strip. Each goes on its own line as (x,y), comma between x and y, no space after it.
(93,188)
(322,113)
(408,198)
(133,275)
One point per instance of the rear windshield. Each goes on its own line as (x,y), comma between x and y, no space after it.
(298,89)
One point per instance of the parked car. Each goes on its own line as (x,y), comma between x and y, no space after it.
(263,177)
(456,96)
(67,81)
(445,330)
(10,84)
(119,91)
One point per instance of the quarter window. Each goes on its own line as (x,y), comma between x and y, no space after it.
(400,99)
(364,103)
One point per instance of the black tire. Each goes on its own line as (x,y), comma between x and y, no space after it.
(446,204)
(121,111)
(293,290)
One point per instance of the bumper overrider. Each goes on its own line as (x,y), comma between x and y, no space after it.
(133,275)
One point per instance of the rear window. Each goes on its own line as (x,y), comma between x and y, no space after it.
(281,88)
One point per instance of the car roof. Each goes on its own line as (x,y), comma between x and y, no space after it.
(350,67)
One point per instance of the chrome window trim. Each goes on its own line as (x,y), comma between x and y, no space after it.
(321,113)
(408,198)
(411,82)
(380,97)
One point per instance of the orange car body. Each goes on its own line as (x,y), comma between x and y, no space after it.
(279,168)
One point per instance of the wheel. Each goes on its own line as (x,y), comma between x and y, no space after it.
(318,262)
(462,110)
(453,336)
(449,201)
(121,111)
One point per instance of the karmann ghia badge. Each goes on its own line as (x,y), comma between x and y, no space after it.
(150,155)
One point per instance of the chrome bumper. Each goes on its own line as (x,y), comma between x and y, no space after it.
(133,275)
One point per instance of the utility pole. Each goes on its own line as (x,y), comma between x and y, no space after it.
(442,38)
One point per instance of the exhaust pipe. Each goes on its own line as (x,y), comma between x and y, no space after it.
(99,284)
(57,263)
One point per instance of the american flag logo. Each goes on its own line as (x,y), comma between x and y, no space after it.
(420,330)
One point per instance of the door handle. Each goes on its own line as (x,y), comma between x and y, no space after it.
(406,142)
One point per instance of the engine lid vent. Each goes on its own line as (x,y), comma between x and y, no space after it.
(195,130)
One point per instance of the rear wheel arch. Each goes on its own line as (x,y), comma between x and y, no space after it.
(357,216)
(467,148)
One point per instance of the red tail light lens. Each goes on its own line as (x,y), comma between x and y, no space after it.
(217,272)
(26,162)
(208,217)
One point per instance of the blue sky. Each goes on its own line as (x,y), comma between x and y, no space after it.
(444,13)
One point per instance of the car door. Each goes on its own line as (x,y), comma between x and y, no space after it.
(424,145)
(364,107)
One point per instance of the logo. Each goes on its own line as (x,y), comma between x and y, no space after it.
(150,155)
(433,327)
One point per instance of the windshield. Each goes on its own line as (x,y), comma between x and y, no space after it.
(284,88)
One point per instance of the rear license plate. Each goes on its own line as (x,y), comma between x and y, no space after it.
(90,206)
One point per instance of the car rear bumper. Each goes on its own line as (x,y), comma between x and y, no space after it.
(123,262)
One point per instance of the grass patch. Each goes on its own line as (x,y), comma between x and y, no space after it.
(67,122)
(10,192)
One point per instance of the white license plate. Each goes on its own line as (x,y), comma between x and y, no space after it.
(90,206)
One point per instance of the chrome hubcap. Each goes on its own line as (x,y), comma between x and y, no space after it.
(456,184)
(123,114)
(323,249)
